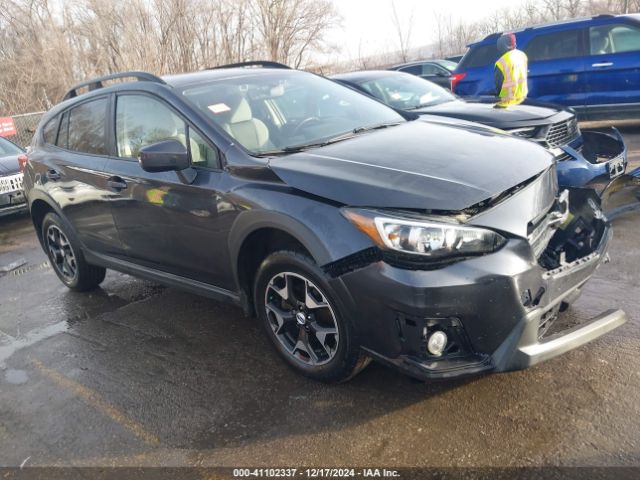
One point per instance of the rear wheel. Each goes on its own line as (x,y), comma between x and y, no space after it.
(301,315)
(66,257)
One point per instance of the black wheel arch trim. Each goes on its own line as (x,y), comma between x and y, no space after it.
(323,247)
(38,195)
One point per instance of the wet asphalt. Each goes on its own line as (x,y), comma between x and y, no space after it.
(137,374)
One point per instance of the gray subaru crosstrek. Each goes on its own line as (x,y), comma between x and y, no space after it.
(351,231)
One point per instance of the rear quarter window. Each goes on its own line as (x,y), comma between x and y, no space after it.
(50,131)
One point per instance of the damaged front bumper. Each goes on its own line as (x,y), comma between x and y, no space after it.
(592,160)
(497,311)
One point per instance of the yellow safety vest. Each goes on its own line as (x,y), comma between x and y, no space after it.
(513,65)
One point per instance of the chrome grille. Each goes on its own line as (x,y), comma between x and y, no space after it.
(11,183)
(561,133)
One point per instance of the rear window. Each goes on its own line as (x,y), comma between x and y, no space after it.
(479,56)
(555,45)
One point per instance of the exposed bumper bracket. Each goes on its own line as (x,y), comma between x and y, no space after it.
(568,339)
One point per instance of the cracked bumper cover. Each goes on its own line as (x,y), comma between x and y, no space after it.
(485,295)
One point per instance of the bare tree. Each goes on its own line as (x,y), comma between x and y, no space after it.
(47,45)
(291,29)
(403,29)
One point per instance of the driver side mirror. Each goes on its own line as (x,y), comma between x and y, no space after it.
(164,156)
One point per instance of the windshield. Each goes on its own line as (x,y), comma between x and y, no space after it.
(405,91)
(272,112)
(7,148)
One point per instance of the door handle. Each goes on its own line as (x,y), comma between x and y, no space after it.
(53,175)
(116,183)
(602,64)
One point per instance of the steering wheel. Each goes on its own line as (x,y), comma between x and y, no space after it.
(303,124)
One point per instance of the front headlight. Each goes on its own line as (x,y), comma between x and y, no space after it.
(428,238)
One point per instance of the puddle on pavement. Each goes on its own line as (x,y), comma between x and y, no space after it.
(34,336)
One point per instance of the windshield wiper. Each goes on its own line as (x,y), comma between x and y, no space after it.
(374,127)
(323,143)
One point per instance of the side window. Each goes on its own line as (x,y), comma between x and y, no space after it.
(413,69)
(552,46)
(614,39)
(202,154)
(142,121)
(50,131)
(430,69)
(86,127)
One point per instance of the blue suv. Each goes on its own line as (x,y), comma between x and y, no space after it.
(592,65)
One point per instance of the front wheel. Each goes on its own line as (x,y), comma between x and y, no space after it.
(303,319)
(66,257)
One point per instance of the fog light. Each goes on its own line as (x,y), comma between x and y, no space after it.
(437,343)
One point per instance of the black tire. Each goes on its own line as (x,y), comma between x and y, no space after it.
(338,356)
(66,258)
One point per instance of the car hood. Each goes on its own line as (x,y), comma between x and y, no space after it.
(486,113)
(9,165)
(420,165)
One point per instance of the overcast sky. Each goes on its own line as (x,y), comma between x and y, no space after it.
(368,22)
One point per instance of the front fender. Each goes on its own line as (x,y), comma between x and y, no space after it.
(318,226)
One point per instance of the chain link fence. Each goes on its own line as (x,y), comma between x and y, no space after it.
(26,125)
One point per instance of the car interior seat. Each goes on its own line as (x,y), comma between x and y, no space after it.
(251,132)
(600,44)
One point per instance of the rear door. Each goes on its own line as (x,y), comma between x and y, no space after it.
(72,170)
(613,68)
(557,67)
(164,221)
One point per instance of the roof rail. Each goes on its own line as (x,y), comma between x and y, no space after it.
(255,63)
(96,83)
(604,15)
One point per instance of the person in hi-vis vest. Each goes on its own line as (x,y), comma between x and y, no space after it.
(510,72)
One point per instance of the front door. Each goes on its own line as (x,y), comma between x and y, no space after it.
(164,221)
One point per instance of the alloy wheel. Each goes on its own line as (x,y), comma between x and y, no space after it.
(301,318)
(61,253)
